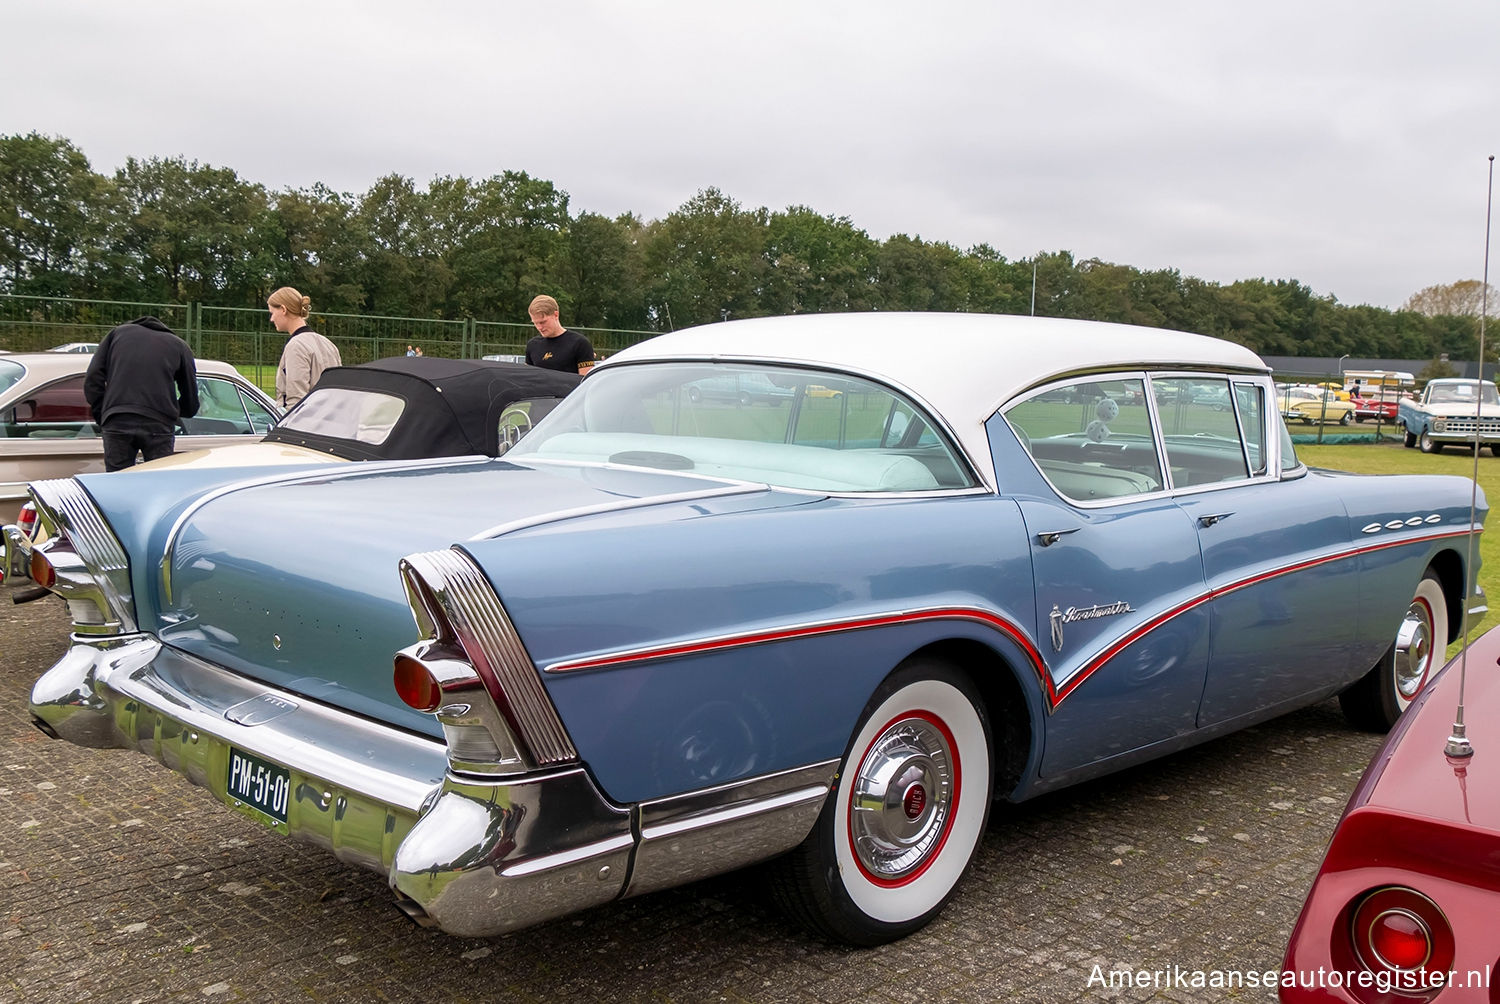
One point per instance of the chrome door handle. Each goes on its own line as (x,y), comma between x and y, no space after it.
(1210,520)
(1049,537)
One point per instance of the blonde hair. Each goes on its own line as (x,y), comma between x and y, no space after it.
(291,301)
(543,305)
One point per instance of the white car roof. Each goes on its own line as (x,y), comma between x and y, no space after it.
(964,366)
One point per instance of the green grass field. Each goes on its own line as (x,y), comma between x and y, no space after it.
(1392,458)
(263,376)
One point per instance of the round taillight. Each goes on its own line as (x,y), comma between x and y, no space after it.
(27,519)
(42,572)
(1400,940)
(416,685)
(1401,932)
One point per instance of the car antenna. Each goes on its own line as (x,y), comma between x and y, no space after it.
(1458,742)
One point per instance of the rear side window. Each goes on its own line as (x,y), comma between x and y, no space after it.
(56,411)
(360,416)
(10,374)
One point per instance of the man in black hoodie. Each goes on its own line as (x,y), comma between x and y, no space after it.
(130,386)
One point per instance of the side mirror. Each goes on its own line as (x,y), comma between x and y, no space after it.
(25,411)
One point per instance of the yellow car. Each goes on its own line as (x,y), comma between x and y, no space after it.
(1313,406)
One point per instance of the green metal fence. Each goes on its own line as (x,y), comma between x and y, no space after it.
(243,336)
(35,323)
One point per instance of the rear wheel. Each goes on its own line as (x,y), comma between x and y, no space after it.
(1409,439)
(1377,699)
(908,808)
(1346,418)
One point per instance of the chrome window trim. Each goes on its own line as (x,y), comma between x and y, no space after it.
(477,613)
(1161,437)
(1273,440)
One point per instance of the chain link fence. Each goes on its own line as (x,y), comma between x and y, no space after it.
(243,336)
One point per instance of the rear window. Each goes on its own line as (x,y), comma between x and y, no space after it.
(10,374)
(782,426)
(360,416)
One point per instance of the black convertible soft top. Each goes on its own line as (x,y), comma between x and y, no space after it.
(452,406)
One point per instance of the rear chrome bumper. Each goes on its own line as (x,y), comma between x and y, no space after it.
(472,856)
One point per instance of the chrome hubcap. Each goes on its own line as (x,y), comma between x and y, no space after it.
(1413,650)
(902,798)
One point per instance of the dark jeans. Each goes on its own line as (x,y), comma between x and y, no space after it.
(125,435)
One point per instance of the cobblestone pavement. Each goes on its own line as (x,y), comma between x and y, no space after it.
(119,881)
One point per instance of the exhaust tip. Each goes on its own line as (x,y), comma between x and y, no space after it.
(414,911)
(45,727)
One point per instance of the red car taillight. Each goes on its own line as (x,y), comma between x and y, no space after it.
(27,519)
(42,572)
(416,685)
(1402,934)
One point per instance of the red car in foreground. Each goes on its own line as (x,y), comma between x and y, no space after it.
(1406,906)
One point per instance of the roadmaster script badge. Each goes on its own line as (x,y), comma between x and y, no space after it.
(1061,617)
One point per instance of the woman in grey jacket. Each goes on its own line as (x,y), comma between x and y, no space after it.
(306,355)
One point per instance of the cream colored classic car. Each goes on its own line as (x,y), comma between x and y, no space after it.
(46,430)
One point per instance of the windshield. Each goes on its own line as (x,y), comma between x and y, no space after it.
(788,427)
(1461,393)
(10,374)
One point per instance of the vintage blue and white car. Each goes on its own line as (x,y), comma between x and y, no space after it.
(670,633)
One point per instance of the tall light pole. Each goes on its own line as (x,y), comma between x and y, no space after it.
(1341,366)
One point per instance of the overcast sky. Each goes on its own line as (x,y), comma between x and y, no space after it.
(1340,144)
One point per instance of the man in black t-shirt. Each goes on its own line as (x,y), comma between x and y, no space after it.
(555,347)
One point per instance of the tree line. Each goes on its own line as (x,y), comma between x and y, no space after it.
(170,229)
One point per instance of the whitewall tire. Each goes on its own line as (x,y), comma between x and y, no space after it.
(1377,699)
(906,813)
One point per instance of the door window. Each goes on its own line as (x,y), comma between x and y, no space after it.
(1091,439)
(220,411)
(261,419)
(1200,430)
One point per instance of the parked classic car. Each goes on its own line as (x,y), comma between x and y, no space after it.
(1446,413)
(1313,406)
(47,431)
(1380,407)
(403,408)
(660,639)
(1404,905)
(408,408)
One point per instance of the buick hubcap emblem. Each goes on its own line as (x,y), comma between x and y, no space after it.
(915,801)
